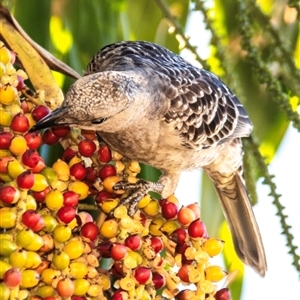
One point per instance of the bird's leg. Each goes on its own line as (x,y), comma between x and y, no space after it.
(139,190)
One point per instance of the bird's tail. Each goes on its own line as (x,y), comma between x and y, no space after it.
(242,223)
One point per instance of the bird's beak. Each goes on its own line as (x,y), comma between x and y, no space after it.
(53,119)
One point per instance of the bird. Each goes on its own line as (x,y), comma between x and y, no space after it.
(151,105)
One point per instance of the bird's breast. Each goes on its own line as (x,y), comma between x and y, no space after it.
(159,146)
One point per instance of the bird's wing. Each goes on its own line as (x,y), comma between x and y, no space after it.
(204,110)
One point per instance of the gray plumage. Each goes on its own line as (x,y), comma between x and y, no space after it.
(151,105)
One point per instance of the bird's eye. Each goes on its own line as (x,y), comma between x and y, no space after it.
(98,121)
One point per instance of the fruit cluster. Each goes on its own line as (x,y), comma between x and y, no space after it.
(52,248)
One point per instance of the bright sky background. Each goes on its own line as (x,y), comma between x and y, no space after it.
(281,279)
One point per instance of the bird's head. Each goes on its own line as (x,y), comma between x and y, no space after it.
(93,101)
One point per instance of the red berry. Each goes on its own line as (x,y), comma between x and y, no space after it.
(39,112)
(169,210)
(118,251)
(66,214)
(9,194)
(33,139)
(68,154)
(156,244)
(223,294)
(40,166)
(104,154)
(30,158)
(107,171)
(40,196)
(4,161)
(181,249)
(183,273)
(86,148)
(61,131)
(5,138)
(158,280)
(89,231)
(25,180)
(50,138)
(20,123)
(103,195)
(70,198)
(78,171)
(12,278)
(39,225)
(30,218)
(91,174)
(118,295)
(179,236)
(142,275)
(134,242)
(104,248)
(117,269)
(197,229)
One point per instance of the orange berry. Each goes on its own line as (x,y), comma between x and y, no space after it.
(109,229)
(185,216)
(62,170)
(109,182)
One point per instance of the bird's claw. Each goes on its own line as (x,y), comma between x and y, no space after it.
(139,190)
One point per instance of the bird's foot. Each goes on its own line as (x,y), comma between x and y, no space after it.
(139,190)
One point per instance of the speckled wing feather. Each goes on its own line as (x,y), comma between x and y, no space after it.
(204,110)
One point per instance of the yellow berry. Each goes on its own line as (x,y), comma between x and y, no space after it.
(15,168)
(74,249)
(8,94)
(144,201)
(213,247)
(5,55)
(74,160)
(33,260)
(18,145)
(40,183)
(214,273)
(5,117)
(155,226)
(81,286)
(4,292)
(7,219)
(108,205)
(36,243)
(152,209)
(30,278)
(54,200)
(79,188)
(18,258)
(78,269)
(45,291)
(48,275)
